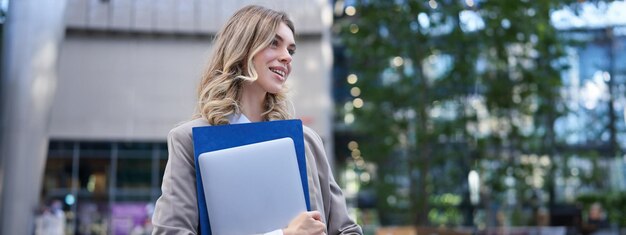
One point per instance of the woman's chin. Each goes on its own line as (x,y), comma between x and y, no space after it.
(276,90)
(273,92)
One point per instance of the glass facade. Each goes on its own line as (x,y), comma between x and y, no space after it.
(105,187)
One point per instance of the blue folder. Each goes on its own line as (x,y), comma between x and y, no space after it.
(212,138)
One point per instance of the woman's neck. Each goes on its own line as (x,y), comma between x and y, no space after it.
(252,102)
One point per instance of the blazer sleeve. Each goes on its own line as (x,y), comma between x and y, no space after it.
(176,210)
(337,219)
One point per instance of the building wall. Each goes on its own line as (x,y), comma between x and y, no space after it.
(128,69)
(188,16)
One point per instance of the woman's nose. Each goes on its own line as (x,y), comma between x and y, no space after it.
(285,57)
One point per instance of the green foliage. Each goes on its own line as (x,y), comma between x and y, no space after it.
(613,202)
(445,210)
(440,98)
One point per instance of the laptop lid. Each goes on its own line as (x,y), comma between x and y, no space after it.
(253,188)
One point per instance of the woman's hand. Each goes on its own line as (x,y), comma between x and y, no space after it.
(306,223)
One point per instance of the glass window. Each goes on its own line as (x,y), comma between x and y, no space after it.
(57,180)
(132,168)
(162,163)
(95,150)
(134,173)
(94,175)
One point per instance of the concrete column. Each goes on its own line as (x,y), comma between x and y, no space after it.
(32,33)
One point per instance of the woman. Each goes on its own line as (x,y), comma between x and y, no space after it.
(244,82)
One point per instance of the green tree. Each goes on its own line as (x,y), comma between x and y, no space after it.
(448,86)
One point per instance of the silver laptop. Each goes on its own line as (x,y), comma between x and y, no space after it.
(252,188)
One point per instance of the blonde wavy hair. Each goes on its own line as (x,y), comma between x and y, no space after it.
(250,30)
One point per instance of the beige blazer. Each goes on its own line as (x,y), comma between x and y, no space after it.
(176,211)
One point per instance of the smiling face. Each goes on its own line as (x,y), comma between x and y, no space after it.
(273,63)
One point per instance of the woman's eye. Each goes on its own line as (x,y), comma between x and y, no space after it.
(291,52)
(274,43)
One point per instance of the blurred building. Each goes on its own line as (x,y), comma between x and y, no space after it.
(128,72)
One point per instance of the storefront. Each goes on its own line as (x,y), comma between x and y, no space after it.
(104,185)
